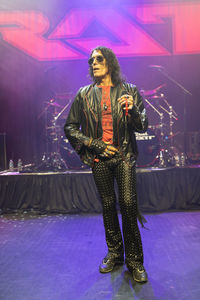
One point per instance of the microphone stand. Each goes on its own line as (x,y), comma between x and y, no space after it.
(185,92)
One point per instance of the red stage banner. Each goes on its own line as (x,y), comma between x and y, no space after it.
(26,31)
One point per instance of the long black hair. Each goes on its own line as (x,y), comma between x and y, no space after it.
(113,65)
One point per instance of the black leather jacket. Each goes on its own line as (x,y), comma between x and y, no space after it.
(84,120)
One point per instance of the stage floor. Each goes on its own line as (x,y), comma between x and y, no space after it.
(56,257)
(74,191)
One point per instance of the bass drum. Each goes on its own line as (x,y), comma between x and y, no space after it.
(148,148)
(70,156)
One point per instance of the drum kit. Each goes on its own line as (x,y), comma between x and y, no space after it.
(156,146)
(59,154)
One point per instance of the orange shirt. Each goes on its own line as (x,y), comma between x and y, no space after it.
(107,122)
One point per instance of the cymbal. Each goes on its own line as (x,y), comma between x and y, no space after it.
(53,104)
(152,92)
(160,87)
(157,96)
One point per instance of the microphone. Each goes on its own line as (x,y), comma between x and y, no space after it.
(125,114)
(156,67)
(126,104)
(126,111)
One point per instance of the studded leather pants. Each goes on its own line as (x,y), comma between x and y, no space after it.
(104,172)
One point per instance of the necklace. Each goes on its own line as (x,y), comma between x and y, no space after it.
(106,97)
(105,107)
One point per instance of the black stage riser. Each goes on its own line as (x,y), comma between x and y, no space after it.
(75,192)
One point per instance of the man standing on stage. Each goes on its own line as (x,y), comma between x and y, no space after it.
(100,126)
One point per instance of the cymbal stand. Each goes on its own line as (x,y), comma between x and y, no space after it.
(57,162)
(52,161)
(45,113)
(58,116)
(172,115)
(185,93)
(62,111)
(161,155)
(170,106)
(171,151)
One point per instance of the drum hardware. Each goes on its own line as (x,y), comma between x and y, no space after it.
(52,160)
(52,103)
(157,111)
(166,154)
(171,116)
(155,97)
(67,149)
(62,111)
(62,156)
(160,156)
(171,153)
(170,113)
(152,92)
(170,107)
(70,156)
(148,148)
(185,93)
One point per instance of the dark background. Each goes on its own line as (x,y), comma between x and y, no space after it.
(26,83)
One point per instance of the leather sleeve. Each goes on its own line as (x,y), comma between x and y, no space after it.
(73,123)
(138,114)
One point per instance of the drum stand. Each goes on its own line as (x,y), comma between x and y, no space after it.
(171,155)
(161,155)
(185,93)
(168,154)
(53,161)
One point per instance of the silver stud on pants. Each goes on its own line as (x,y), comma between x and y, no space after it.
(104,172)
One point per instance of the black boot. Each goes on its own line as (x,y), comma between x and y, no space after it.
(139,274)
(110,261)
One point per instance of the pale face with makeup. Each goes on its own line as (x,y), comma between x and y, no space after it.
(100,67)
